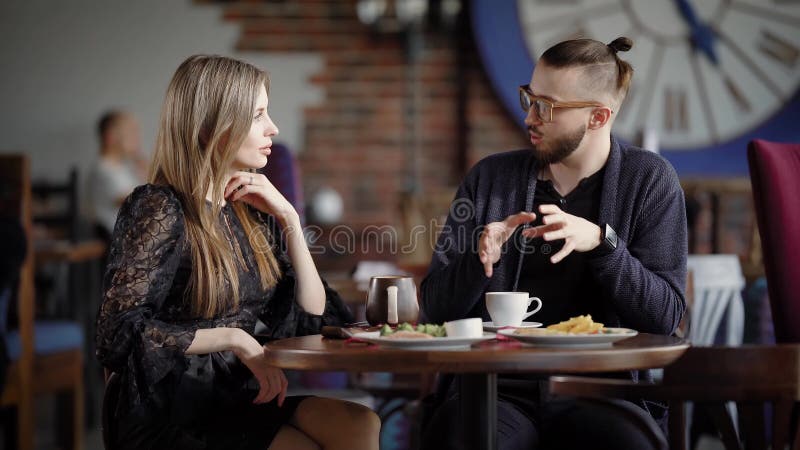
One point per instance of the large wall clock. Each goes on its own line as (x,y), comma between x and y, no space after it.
(710,75)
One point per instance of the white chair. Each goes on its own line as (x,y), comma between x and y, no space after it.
(718,284)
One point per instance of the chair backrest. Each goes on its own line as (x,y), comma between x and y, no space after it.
(751,376)
(774,169)
(717,291)
(13,250)
(15,201)
(56,206)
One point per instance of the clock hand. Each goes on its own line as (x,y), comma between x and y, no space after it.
(701,35)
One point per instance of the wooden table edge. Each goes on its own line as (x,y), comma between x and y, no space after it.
(414,361)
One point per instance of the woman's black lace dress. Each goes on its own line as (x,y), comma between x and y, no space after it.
(173,400)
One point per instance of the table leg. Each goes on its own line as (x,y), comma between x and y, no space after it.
(478,397)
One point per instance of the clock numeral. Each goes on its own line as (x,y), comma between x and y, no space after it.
(737,94)
(778,49)
(676,111)
(748,61)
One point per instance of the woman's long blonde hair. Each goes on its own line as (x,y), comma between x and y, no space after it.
(206,116)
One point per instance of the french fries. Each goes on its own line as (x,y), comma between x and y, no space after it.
(577,325)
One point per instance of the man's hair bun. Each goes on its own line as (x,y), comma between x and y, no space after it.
(621,44)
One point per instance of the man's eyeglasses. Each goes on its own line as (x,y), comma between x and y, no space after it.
(544,107)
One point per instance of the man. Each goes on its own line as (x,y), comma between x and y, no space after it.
(121,168)
(587,223)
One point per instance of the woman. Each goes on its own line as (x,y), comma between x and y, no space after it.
(196,257)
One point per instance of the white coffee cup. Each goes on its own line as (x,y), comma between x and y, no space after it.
(466,328)
(509,309)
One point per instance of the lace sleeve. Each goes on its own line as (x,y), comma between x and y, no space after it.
(283,316)
(144,257)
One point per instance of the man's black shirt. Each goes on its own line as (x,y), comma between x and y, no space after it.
(567,289)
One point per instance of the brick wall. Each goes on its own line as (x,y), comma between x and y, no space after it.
(361,140)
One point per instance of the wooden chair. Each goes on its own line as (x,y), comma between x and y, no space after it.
(56,219)
(56,206)
(46,357)
(719,207)
(751,376)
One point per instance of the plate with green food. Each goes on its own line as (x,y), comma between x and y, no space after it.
(421,336)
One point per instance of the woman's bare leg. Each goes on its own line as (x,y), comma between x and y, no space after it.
(290,438)
(337,424)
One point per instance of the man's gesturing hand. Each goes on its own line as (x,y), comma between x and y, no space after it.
(578,233)
(495,235)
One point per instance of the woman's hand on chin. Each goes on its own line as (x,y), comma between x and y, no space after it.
(257,191)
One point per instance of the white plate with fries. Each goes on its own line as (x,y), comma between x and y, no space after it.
(374,337)
(580,330)
(544,336)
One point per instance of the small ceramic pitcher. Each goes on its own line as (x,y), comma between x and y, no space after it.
(392,299)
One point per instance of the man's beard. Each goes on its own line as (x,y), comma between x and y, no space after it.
(560,148)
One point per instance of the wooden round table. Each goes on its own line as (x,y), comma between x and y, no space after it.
(479,365)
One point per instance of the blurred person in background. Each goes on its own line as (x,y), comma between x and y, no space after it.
(120,168)
(196,257)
